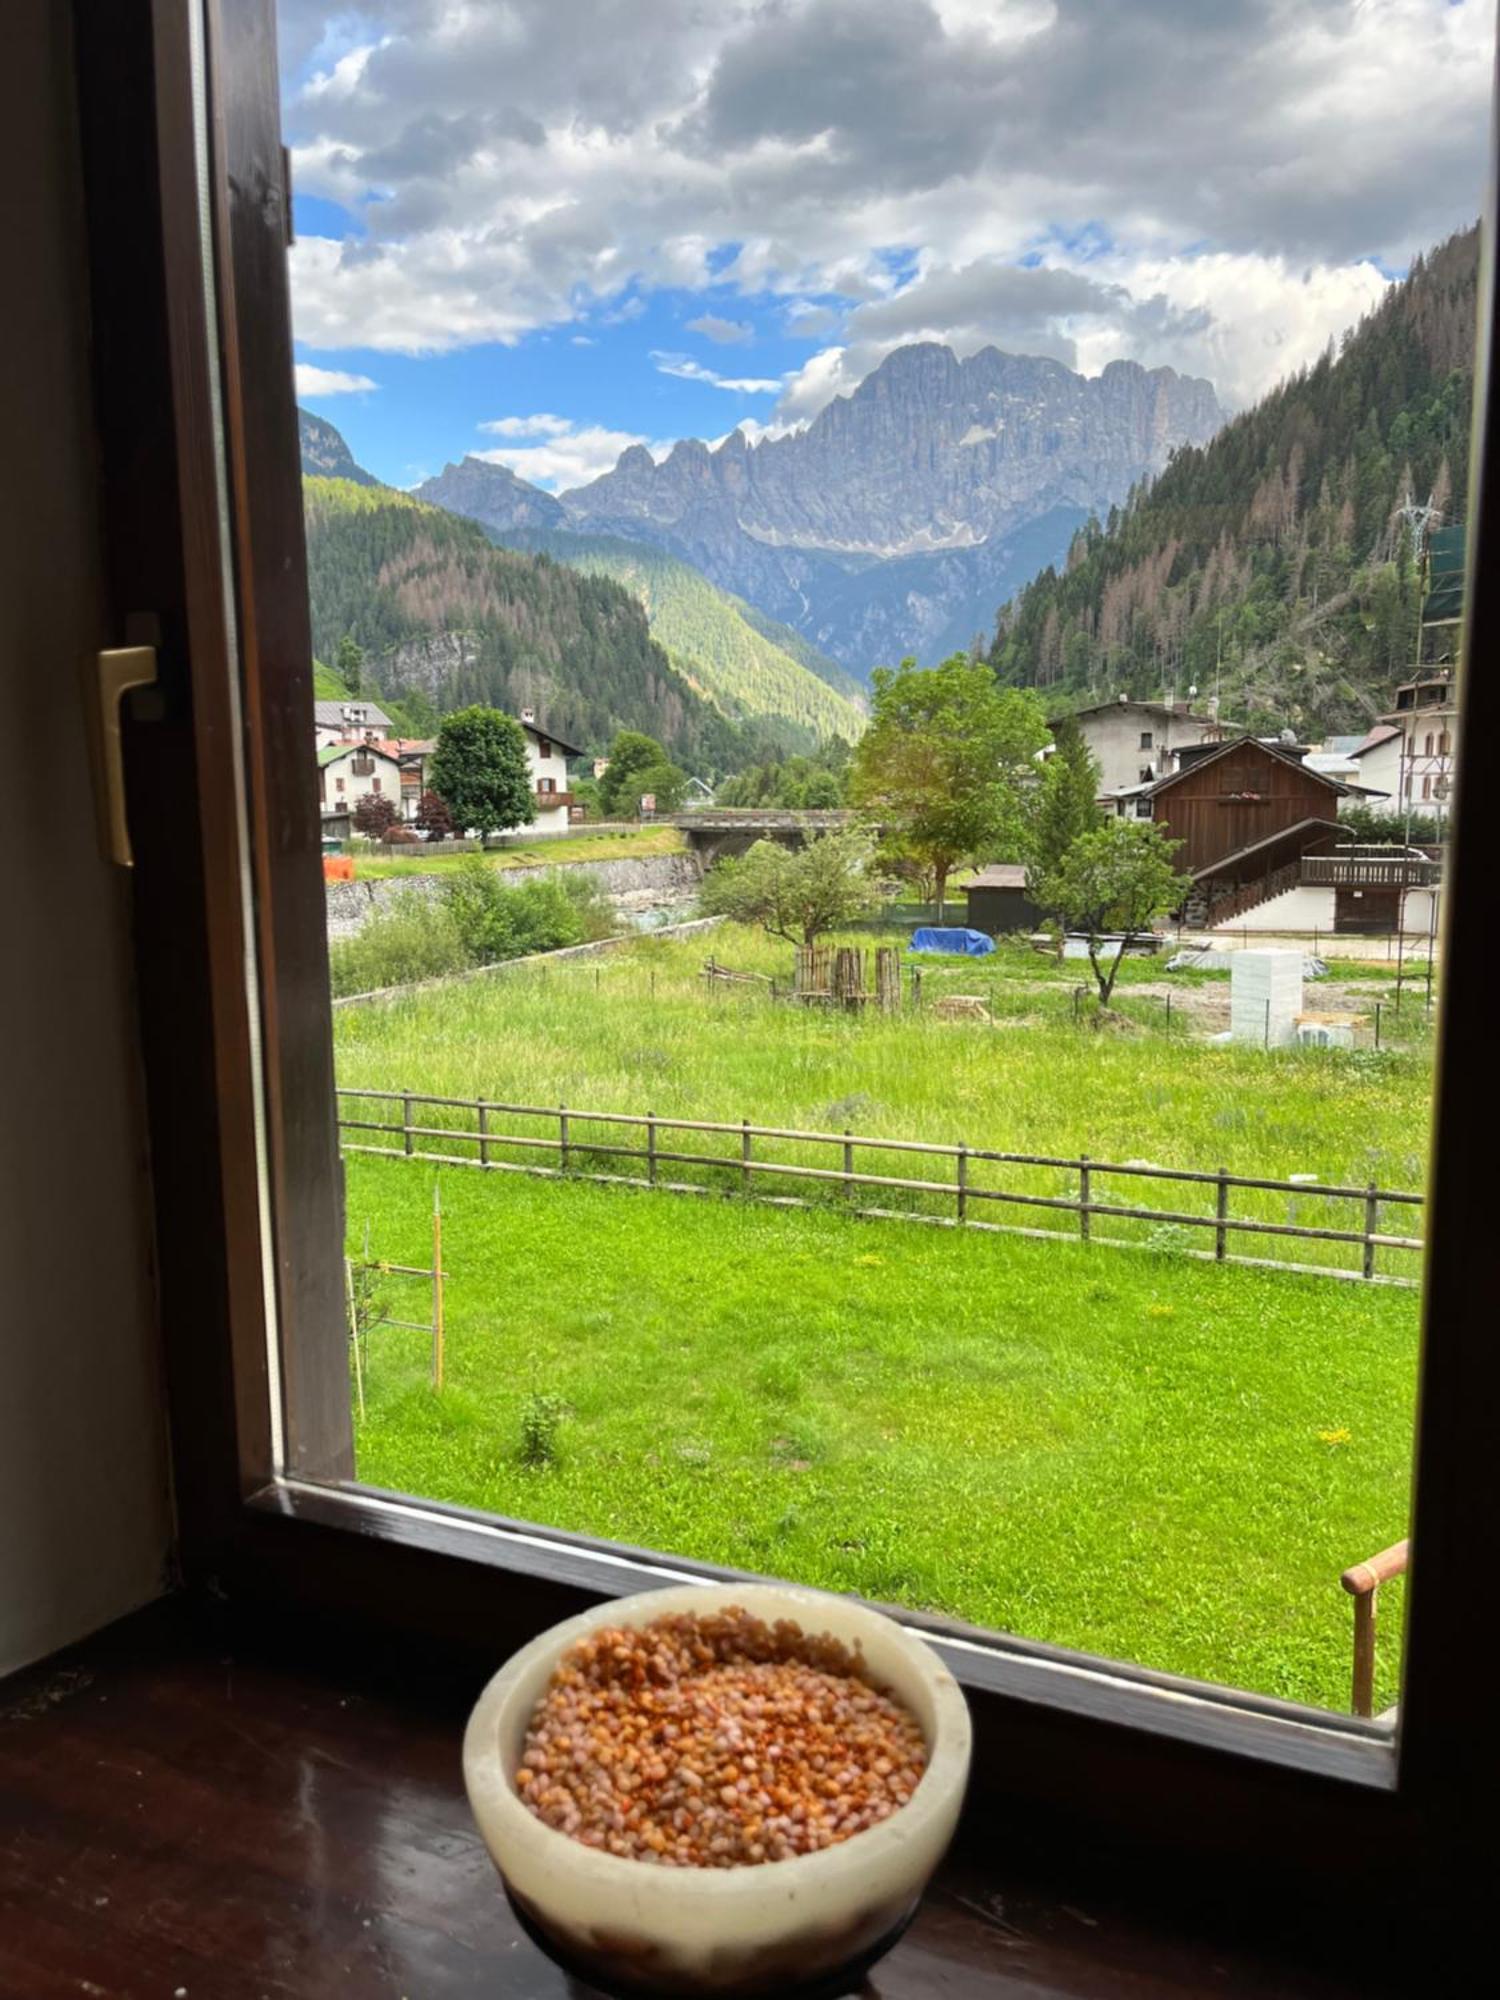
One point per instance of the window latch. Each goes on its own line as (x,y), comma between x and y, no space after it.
(116,671)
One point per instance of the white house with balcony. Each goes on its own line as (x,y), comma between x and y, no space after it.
(547,762)
(349,772)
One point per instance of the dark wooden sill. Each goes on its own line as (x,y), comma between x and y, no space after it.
(183,1814)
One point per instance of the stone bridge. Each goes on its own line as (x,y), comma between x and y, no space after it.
(718,831)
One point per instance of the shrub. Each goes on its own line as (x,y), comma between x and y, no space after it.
(412,938)
(433,816)
(541,1420)
(496,922)
(374,816)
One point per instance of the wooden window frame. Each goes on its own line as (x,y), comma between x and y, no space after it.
(1262,1804)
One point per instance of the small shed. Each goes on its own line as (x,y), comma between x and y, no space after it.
(998,900)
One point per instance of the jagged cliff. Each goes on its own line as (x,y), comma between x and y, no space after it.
(898,518)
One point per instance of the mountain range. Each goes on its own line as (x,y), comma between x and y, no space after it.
(1276,566)
(896,520)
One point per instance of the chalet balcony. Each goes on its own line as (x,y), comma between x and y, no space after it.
(550,801)
(1370,871)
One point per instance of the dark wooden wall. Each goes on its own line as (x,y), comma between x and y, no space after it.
(1205,809)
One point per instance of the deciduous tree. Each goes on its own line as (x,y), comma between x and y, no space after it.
(480,769)
(947,763)
(433,817)
(1119,878)
(374,816)
(797,893)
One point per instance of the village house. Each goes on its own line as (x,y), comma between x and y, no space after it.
(411,754)
(350,772)
(547,761)
(349,721)
(1411,754)
(1262,844)
(1136,742)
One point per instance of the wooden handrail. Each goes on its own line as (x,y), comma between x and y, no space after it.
(1362,1581)
(1364,1577)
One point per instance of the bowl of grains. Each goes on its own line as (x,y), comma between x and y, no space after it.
(719,1789)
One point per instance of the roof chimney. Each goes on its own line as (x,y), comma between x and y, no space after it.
(528,715)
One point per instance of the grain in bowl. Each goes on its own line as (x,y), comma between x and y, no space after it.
(717,1741)
(829,1894)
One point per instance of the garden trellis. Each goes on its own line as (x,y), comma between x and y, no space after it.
(593,1145)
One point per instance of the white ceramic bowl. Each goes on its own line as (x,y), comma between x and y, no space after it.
(634,1925)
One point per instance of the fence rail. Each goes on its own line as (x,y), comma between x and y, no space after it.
(415,1116)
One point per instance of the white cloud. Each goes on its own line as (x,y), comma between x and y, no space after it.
(1236,173)
(567,455)
(688,370)
(723,332)
(544,425)
(312,382)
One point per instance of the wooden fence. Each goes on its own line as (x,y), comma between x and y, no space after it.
(480,1132)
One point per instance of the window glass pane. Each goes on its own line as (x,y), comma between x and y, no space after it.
(876,1124)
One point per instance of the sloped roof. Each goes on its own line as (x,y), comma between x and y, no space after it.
(1001,875)
(1179,711)
(1381,733)
(1235,743)
(541,729)
(331,714)
(332,752)
(1287,833)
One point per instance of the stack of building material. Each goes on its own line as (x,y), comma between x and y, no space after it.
(1265,997)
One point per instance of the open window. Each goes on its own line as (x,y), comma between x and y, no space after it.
(284,1123)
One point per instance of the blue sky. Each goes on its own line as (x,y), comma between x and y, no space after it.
(589,215)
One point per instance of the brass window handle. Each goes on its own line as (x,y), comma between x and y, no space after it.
(116,671)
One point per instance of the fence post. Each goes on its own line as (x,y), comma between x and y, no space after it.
(1221,1210)
(916,986)
(1377,1024)
(1085,1196)
(484,1126)
(1372,1223)
(745,1154)
(1169,1013)
(848,1164)
(562,1138)
(963,1183)
(1267,1041)
(651,1149)
(406,1121)
(1362,1693)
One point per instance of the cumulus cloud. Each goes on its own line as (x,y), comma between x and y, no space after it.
(1207,184)
(723,332)
(314,382)
(688,370)
(561,454)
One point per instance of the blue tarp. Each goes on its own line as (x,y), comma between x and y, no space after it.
(972,944)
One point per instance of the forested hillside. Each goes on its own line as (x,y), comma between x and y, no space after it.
(742,661)
(1274,560)
(445,618)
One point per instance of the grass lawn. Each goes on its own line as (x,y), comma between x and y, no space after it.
(640,1030)
(560,851)
(1152,1459)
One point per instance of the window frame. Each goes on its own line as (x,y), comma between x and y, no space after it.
(201,496)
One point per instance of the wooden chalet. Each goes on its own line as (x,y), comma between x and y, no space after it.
(1246,812)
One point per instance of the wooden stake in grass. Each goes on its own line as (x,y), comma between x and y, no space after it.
(359,1367)
(437,1287)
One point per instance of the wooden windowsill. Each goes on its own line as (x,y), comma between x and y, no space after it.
(178,1813)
